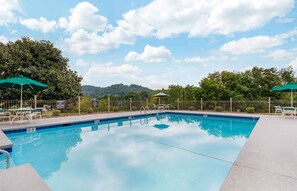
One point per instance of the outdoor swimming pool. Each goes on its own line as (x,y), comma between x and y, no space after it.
(159,152)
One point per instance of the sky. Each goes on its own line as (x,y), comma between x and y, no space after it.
(156,43)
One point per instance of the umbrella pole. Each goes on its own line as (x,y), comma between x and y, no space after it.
(21,96)
(291,97)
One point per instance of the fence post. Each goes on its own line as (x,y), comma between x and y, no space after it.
(35,101)
(269,100)
(201,104)
(108,103)
(230,104)
(147,102)
(177,103)
(78,105)
(131,104)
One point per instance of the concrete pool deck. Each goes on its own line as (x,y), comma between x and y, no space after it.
(268,160)
(21,178)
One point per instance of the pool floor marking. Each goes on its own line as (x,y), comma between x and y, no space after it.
(175,147)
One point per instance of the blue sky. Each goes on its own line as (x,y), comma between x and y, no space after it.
(158,42)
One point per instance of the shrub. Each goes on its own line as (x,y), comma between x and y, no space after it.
(172,107)
(115,108)
(218,108)
(250,109)
(134,108)
(191,108)
(90,110)
(56,113)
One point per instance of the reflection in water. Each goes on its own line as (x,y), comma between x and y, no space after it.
(161,126)
(47,147)
(126,154)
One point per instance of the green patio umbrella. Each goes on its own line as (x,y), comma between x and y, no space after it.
(289,87)
(22,83)
(159,95)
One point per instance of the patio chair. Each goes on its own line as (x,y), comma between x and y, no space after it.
(278,109)
(37,112)
(167,106)
(5,115)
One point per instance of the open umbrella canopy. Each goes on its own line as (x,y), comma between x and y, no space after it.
(289,87)
(23,83)
(161,94)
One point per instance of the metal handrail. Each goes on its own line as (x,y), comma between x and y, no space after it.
(7,157)
(145,110)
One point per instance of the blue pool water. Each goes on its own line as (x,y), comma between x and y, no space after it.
(163,152)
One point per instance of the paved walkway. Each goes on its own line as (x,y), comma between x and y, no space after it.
(268,161)
(71,119)
(21,178)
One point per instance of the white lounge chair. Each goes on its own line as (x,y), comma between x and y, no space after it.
(5,115)
(278,109)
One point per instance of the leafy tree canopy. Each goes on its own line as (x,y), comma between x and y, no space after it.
(41,61)
(253,84)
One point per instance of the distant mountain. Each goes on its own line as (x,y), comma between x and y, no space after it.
(117,89)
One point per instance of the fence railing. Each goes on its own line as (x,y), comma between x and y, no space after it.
(86,105)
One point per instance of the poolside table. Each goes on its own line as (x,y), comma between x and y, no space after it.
(21,114)
(289,110)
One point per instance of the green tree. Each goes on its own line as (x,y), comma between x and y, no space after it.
(41,61)
(134,95)
(174,92)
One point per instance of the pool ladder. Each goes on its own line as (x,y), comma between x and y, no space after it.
(7,157)
(145,110)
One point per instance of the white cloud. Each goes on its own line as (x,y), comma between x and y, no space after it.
(293,63)
(7,8)
(82,42)
(257,43)
(251,45)
(284,20)
(197,59)
(84,16)
(81,63)
(3,39)
(90,32)
(281,54)
(111,70)
(155,82)
(39,24)
(167,18)
(150,54)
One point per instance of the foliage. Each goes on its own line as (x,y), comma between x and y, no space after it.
(85,103)
(218,108)
(134,108)
(250,109)
(191,108)
(41,61)
(134,95)
(90,110)
(56,113)
(115,108)
(253,84)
